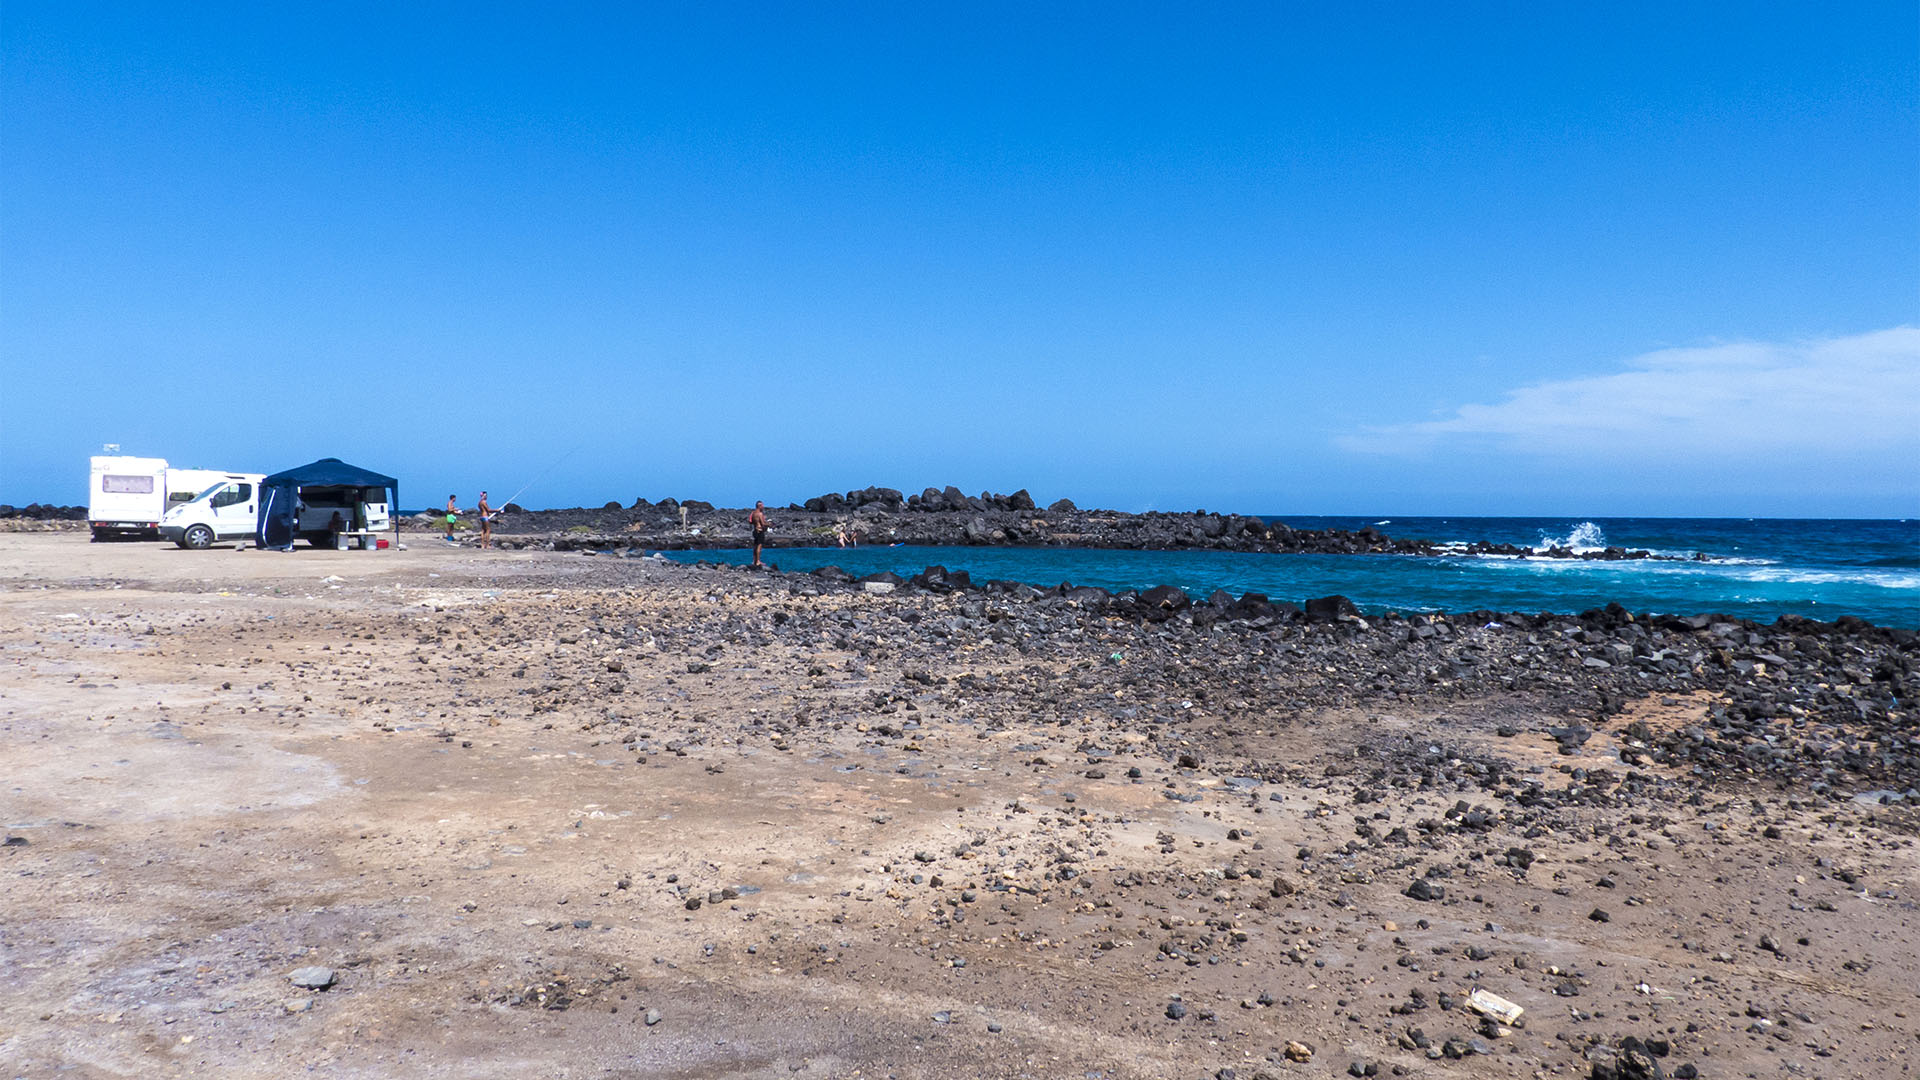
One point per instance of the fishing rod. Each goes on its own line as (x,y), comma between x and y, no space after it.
(508,501)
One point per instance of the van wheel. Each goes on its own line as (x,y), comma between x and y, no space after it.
(199,538)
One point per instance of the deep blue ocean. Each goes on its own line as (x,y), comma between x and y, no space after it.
(1758,568)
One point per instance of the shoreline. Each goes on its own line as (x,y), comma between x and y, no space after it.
(1156,600)
(1788,666)
(582,540)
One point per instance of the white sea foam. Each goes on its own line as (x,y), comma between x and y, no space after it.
(1463,548)
(1879,578)
(1585,536)
(1685,555)
(1754,571)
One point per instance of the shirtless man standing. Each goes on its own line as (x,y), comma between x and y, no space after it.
(486,522)
(757,521)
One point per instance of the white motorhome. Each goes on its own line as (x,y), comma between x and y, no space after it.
(130,496)
(126,496)
(224,511)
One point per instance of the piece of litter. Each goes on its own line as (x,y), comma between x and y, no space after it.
(1494,1005)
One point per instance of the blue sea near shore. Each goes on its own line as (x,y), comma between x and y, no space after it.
(1755,568)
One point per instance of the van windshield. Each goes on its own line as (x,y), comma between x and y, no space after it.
(209,493)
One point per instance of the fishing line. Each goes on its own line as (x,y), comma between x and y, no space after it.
(508,501)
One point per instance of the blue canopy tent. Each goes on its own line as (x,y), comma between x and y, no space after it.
(278,525)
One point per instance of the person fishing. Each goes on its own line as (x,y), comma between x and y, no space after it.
(757,521)
(487,514)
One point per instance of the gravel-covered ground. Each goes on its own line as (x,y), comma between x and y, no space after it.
(535,814)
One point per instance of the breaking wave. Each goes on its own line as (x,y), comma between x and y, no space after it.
(1585,536)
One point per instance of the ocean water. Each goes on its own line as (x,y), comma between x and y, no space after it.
(1758,569)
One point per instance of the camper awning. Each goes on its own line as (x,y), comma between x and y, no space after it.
(280,495)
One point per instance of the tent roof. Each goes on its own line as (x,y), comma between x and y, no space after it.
(330,472)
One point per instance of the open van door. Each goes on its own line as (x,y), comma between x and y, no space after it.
(379,515)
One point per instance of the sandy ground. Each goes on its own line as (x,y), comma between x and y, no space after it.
(545,815)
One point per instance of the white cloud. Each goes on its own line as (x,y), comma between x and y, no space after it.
(1838,397)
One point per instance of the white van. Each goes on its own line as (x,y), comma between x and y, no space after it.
(185,485)
(224,511)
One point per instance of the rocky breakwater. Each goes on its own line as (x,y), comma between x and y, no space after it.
(948,517)
(43,512)
(41,517)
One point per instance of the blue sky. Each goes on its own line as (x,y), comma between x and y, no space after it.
(1459,259)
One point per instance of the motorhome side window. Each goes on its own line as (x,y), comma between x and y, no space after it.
(237,493)
(126,485)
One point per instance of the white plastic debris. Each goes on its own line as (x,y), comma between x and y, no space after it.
(1494,1005)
